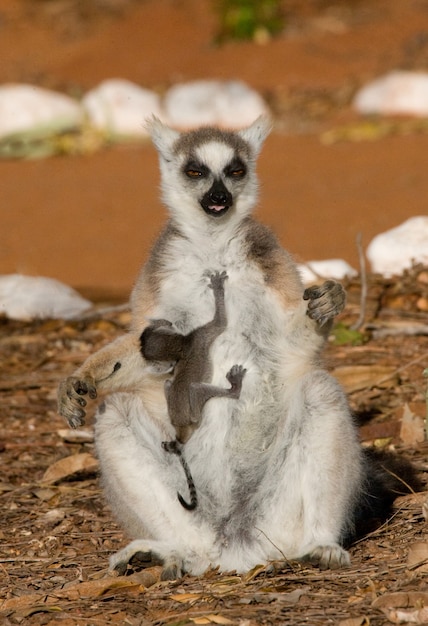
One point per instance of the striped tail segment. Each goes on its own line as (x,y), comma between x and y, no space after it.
(174,448)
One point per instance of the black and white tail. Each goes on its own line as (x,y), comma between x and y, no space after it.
(387,476)
(174,448)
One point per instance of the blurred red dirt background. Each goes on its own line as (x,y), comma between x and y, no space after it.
(89,220)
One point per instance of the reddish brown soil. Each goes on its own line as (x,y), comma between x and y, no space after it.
(89,220)
(57,533)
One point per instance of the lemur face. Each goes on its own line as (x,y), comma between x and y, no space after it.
(208,172)
(215,174)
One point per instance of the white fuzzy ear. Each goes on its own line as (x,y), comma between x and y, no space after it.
(162,136)
(257,132)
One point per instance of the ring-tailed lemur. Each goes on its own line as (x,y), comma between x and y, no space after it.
(189,389)
(280,472)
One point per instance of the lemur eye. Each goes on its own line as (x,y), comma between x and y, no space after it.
(194,170)
(194,173)
(236,169)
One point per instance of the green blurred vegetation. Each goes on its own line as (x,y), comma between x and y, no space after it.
(345,335)
(248,19)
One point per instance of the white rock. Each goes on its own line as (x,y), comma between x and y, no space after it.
(27,107)
(120,107)
(393,251)
(396,93)
(229,104)
(330,268)
(29,297)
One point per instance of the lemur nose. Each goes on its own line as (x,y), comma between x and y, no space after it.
(219,197)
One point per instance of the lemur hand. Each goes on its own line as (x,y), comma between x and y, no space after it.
(217,280)
(71,401)
(325,301)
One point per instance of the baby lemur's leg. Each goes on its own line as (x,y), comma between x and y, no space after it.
(200,393)
(116,367)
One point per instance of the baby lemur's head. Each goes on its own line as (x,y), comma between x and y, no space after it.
(161,343)
(208,174)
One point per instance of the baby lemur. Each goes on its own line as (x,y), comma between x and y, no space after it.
(189,390)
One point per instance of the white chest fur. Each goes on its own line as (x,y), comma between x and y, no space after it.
(256,328)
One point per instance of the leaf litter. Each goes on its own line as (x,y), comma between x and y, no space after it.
(58,533)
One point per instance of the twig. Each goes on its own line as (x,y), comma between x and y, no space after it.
(363,297)
(397,328)
(425,373)
(400,369)
(277,548)
(391,473)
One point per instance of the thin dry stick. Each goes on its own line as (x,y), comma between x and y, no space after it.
(391,473)
(425,373)
(363,274)
(403,367)
(277,548)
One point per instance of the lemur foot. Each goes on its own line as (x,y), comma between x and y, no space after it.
(330,556)
(235,376)
(138,555)
(71,401)
(174,447)
(217,280)
(325,301)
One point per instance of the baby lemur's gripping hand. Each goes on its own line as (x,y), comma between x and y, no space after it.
(71,400)
(325,301)
(217,280)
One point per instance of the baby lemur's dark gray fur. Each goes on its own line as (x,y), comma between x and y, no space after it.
(188,390)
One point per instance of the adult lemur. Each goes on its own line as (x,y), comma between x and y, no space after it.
(189,390)
(280,471)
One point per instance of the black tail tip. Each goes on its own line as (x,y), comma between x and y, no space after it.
(189,506)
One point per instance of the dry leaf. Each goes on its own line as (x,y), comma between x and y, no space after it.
(357,377)
(219,619)
(22,602)
(69,466)
(186,597)
(97,588)
(41,608)
(44,494)
(291,597)
(211,619)
(52,517)
(416,616)
(76,436)
(418,554)
(401,599)
(412,427)
(89,589)
(355,621)
(253,572)
(425,509)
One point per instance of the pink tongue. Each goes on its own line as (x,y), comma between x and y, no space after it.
(217,207)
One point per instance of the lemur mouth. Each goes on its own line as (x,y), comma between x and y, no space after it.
(217,200)
(216,210)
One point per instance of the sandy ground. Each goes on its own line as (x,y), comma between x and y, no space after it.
(90,220)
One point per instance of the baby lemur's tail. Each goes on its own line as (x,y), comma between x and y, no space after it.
(174,447)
